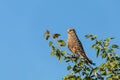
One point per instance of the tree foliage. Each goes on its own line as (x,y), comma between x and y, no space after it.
(78,67)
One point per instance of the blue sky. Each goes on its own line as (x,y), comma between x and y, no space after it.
(24,53)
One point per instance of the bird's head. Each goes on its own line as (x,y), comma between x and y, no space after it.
(70,30)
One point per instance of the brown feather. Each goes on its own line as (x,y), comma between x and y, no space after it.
(75,45)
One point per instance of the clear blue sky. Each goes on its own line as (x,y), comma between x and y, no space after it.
(24,53)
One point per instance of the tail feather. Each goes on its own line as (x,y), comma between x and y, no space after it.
(86,58)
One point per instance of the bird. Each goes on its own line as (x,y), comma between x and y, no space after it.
(75,45)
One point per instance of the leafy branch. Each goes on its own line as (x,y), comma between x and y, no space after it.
(78,67)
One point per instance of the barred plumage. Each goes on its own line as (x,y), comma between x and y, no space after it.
(75,45)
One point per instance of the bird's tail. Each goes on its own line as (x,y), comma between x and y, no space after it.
(87,59)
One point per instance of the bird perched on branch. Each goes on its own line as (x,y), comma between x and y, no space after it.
(75,45)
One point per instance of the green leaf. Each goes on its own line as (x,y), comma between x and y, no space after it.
(103,73)
(112,65)
(46,34)
(109,56)
(116,77)
(103,55)
(55,35)
(53,48)
(76,69)
(47,37)
(78,78)
(88,69)
(115,46)
(87,78)
(118,58)
(105,48)
(50,43)
(98,51)
(95,70)
(116,55)
(103,65)
(97,47)
(69,67)
(93,46)
(109,72)
(99,42)
(71,77)
(111,50)
(106,43)
(61,43)
(53,51)
(109,78)
(81,63)
(108,39)
(63,53)
(88,36)
(58,55)
(93,38)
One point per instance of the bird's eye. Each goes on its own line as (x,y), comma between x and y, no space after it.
(70,30)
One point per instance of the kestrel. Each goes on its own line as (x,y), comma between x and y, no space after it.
(75,45)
